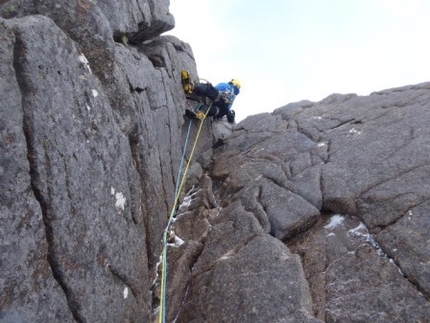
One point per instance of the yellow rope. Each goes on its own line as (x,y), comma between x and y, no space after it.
(162,313)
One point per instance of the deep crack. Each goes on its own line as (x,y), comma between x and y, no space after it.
(32,154)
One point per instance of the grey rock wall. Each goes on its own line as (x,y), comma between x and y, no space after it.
(317,212)
(90,146)
(344,184)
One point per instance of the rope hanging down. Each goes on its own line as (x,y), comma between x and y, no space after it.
(162,313)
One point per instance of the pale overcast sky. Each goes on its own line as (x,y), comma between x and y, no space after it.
(290,50)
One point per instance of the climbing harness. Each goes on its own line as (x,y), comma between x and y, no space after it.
(178,189)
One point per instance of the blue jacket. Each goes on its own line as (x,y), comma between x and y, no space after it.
(228,92)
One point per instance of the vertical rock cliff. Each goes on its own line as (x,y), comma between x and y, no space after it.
(317,212)
(91,119)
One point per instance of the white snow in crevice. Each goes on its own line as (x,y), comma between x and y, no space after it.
(125,292)
(187,200)
(372,241)
(120,198)
(410,214)
(195,193)
(335,220)
(356,230)
(85,61)
(362,232)
(173,220)
(95,93)
(355,131)
(185,203)
(156,270)
(178,242)
(88,108)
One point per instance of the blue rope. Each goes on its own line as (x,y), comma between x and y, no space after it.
(183,158)
(178,181)
(162,314)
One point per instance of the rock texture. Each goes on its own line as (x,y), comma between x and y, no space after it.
(89,147)
(362,158)
(317,212)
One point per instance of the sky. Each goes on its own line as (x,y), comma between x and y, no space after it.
(286,51)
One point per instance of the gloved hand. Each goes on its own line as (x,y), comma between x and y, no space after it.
(230,116)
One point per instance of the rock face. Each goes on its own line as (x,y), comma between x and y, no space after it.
(317,212)
(89,144)
(344,184)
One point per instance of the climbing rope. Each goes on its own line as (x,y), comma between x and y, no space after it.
(178,189)
(182,159)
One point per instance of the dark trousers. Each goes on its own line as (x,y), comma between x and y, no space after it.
(219,107)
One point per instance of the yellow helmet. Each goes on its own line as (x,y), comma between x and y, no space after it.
(236,83)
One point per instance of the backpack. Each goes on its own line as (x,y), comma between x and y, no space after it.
(227,92)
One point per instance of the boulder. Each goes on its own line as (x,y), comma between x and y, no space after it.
(244,274)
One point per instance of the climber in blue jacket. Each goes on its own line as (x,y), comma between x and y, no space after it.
(221,95)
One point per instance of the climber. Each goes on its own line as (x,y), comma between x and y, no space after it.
(222,97)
